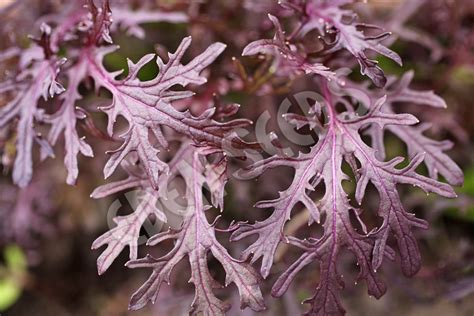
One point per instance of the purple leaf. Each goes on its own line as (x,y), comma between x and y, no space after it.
(64,121)
(195,239)
(127,231)
(146,105)
(340,140)
(27,213)
(286,53)
(129,21)
(435,158)
(97,22)
(398,25)
(38,81)
(329,17)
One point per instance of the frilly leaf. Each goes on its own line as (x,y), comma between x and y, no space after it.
(194,240)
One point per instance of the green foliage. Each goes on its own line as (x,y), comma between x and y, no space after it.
(12,275)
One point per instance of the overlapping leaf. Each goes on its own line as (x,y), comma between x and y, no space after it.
(195,239)
(432,151)
(33,83)
(331,20)
(290,58)
(127,231)
(340,140)
(64,121)
(202,161)
(146,105)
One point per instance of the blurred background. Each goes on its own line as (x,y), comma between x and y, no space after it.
(46,230)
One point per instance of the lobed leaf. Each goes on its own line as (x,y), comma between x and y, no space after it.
(340,140)
(33,83)
(195,239)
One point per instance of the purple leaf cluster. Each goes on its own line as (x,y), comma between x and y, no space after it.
(339,29)
(159,141)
